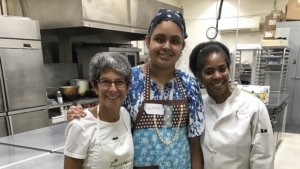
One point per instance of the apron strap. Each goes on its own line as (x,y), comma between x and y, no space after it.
(139,116)
(147,85)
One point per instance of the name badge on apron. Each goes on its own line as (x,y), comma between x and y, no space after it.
(155,109)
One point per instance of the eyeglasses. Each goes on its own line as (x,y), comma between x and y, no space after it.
(107,83)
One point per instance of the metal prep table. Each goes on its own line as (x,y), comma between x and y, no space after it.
(25,159)
(50,139)
(277,107)
(13,155)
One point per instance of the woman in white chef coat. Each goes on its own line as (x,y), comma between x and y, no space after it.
(238,132)
(102,139)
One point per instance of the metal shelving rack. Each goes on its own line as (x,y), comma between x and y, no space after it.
(244,71)
(259,73)
(272,68)
(238,67)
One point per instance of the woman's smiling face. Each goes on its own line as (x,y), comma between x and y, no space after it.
(165,44)
(215,77)
(112,96)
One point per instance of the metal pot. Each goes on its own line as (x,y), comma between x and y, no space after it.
(69,92)
(83,85)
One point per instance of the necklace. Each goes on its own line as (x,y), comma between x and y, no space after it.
(147,97)
(168,142)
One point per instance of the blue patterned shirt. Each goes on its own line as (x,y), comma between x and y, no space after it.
(169,91)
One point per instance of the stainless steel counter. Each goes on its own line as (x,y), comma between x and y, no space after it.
(37,149)
(59,150)
(11,155)
(47,139)
(48,161)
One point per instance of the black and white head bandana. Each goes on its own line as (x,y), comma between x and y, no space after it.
(165,14)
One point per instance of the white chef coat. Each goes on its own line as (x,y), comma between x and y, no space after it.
(238,133)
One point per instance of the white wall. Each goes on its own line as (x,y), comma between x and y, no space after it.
(172,2)
(201,14)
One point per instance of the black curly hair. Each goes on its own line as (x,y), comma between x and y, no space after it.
(200,53)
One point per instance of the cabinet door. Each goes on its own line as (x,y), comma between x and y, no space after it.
(293,85)
(24,79)
(29,121)
(295,94)
(3,127)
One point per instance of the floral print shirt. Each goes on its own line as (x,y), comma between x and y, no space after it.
(169,91)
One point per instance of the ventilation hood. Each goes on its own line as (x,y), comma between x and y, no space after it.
(77,17)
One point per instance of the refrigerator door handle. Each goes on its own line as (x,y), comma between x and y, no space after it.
(2,88)
(26,45)
(9,125)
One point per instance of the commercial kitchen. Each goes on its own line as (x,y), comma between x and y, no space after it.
(45,48)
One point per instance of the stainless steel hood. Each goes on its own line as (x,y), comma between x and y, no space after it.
(76,17)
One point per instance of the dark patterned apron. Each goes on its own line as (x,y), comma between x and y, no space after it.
(174,119)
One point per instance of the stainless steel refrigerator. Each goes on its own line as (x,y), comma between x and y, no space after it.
(291,31)
(22,81)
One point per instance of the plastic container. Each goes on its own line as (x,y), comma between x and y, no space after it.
(59,98)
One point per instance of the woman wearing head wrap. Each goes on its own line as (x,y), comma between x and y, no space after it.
(238,131)
(165,103)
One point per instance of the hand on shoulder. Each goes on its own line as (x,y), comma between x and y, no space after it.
(75,112)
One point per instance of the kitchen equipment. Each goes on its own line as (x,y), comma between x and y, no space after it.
(26,147)
(86,52)
(83,86)
(91,93)
(131,53)
(59,98)
(22,78)
(69,92)
(129,16)
(51,92)
(290,30)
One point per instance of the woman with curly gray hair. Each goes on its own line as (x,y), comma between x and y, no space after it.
(103,137)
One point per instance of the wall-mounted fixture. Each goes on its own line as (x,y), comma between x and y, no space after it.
(245,24)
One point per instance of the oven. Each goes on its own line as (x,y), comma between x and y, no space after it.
(132,54)
(85,53)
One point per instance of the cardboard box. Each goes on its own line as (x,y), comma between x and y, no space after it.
(269,34)
(272,19)
(293,10)
(270,25)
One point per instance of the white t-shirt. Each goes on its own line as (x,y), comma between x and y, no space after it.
(80,134)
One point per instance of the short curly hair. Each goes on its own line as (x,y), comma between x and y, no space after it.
(109,60)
